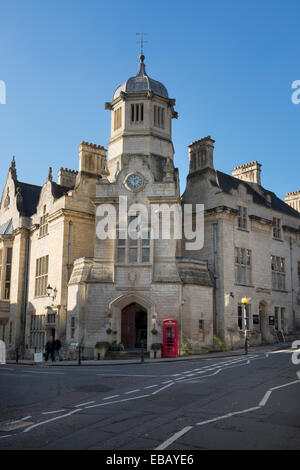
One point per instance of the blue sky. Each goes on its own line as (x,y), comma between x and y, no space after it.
(229,64)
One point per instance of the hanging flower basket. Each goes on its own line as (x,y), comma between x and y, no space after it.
(109,331)
(154,331)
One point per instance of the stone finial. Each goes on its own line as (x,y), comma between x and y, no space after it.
(49,177)
(13,169)
(104,173)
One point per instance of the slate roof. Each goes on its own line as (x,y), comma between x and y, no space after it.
(227,182)
(30,198)
(7,228)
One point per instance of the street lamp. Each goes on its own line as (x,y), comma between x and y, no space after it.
(244,302)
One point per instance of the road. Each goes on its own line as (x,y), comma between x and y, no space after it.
(244,402)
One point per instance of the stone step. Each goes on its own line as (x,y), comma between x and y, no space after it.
(126,354)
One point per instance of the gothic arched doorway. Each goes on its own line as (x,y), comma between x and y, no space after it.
(134,326)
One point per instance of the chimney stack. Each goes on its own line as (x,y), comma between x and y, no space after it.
(250,172)
(293,200)
(67,177)
(201,154)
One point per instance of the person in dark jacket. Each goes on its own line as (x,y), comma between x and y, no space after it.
(57,351)
(50,349)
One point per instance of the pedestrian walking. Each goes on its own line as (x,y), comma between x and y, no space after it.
(50,349)
(57,349)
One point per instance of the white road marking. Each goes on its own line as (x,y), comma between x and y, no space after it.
(151,386)
(285,385)
(50,420)
(19,420)
(262,403)
(117,401)
(132,391)
(41,372)
(265,398)
(160,389)
(52,412)
(167,381)
(107,398)
(9,374)
(173,438)
(228,415)
(86,403)
(133,375)
(7,435)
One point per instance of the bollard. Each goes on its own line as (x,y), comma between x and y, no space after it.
(79,354)
(142,352)
(17,355)
(246,345)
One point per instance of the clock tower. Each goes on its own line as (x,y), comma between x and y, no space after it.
(141,123)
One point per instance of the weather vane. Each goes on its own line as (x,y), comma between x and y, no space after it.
(142,41)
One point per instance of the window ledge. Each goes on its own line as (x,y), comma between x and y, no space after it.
(133,265)
(243,285)
(277,239)
(43,236)
(243,229)
(280,290)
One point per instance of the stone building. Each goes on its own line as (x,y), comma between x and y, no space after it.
(60,277)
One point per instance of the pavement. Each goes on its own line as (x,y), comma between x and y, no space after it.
(197,357)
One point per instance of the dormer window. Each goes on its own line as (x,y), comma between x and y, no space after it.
(117,118)
(137,112)
(276,228)
(159,117)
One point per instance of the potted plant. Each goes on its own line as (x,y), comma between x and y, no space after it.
(154,331)
(155,351)
(109,331)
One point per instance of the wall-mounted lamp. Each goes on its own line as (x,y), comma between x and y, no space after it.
(51,292)
(232,295)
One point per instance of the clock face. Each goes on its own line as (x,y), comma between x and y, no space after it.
(134,181)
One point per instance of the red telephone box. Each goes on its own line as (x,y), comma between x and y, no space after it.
(170,338)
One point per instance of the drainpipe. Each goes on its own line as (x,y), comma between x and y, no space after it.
(292,284)
(25,292)
(69,249)
(215,254)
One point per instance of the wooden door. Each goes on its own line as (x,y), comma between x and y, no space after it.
(128,326)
